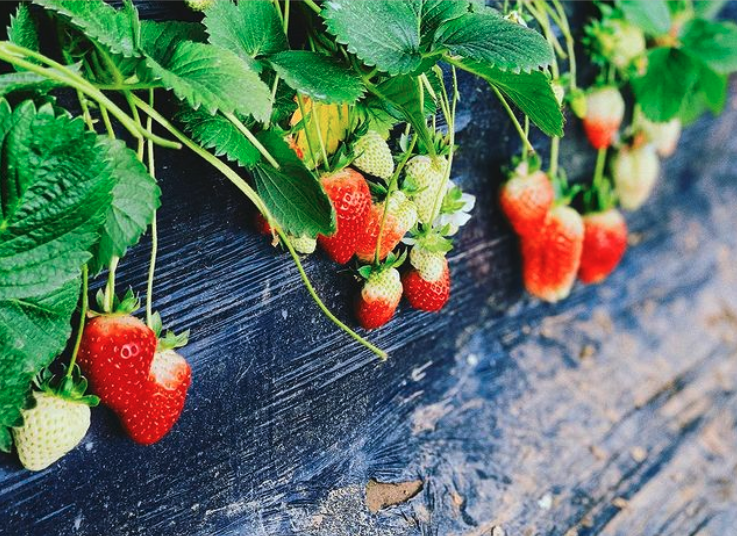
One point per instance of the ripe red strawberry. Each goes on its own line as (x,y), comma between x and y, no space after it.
(604,244)
(349,193)
(424,292)
(604,114)
(115,355)
(160,402)
(551,258)
(401,217)
(526,199)
(262,225)
(379,298)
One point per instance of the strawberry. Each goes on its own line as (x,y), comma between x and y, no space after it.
(635,170)
(199,5)
(379,297)
(604,244)
(428,175)
(57,423)
(115,354)
(159,403)
(427,284)
(526,199)
(373,156)
(620,42)
(304,244)
(551,257)
(401,217)
(604,114)
(664,136)
(350,196)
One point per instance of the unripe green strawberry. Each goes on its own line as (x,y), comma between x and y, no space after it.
(50,430)
(304,244)
(635,171)
(621,42)
(379,298)
(430,264)
(664,136)
(199,5)
(429,176)
(373,156)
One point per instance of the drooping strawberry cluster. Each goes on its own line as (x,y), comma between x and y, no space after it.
(374,228)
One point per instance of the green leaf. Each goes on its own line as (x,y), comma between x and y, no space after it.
(708,8)
(531,92)
(651,16)
(33,331)
(401,98)
(117,30)
(23,30)
(217,133)
(249,29)
(206,75)
(714,43)
(488,38)
(709,94)
(318,76)
(671,74)
(433,13)
(384,33)
(292,194)
(135,198)
(55,187)
(26,81)
(54,190)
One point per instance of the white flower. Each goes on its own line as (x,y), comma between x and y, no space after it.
(459,217)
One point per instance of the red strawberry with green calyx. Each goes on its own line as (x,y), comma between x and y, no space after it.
(400,218)
(349,193)
(551,257)
(526,199)
(604,245)
(381,293)
(427,282)
(159,404)
(116,352)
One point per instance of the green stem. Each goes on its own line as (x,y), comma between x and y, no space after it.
(525,141)
(82,319)
(253,139)
(286,17)
(600,162)
(312,5)
(85,111)
(154,232)
(108,123)
(110,286)
(451,121)
(393,181)
(137,119)
(260,206)
(554,156)
(527,137)
(378,351)
(59,73)
(310,148)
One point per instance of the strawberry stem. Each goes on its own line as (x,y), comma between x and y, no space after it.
(82,319)
(525,142)
(242,185)
(110,286)
(312,5)
(14,55)
(154,232)
(310,149)
(393,181)
(253,139)
(375,349)
(449,110)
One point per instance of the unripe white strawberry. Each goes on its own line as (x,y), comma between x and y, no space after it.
(621,42)
(664,136)
(50,430)
(429,175)
(430,264)
(404,209)
(304,244)
(373,156)
(635,171)
(559,91)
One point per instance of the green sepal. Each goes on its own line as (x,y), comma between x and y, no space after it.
(129,304)
(171,340)
(66,386)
